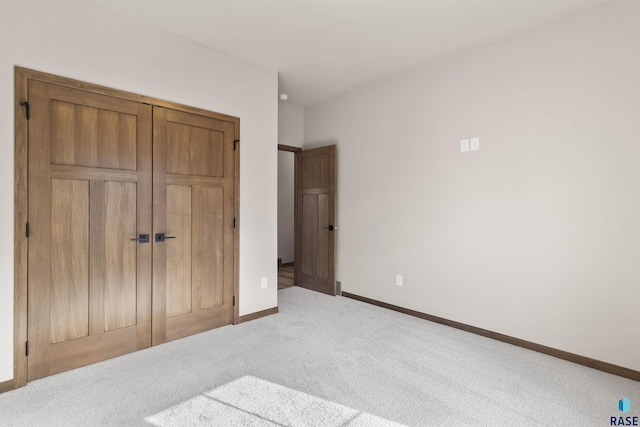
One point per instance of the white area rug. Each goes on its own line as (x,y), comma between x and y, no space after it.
(251,401)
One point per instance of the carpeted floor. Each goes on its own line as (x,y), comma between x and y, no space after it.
(359,356)
(250,401)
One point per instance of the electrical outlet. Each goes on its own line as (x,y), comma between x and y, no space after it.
(475,144)
(398,280)
(464,145)
(264,282)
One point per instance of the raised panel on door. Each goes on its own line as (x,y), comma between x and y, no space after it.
(69,300)
(179,268)
(120,255)
(193,192)
(315,217)
(84,135)
(89,195)
(309,237)
(208,247)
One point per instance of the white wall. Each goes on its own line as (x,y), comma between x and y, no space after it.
(290,132)
(290,124)
(537,234)
(82,40)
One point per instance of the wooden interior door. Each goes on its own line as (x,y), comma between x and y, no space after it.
(89,180)
(315,219)
(194,207)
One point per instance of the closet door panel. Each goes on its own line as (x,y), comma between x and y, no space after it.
(89,180)
(193,192)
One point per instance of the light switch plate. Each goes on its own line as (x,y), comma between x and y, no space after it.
(475,144)
(464,145)
(264,282)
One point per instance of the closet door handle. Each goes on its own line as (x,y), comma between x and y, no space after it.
(160,237)
(143,238)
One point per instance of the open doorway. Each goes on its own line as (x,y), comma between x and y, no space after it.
(314,213)
(286,215)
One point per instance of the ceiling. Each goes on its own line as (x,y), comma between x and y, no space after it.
(323,47)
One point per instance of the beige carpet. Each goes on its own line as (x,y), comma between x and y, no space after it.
(365,358)
(251,401)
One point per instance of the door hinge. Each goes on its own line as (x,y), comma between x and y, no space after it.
(234,223)
(26,105)
(26,231)
(26,353)
(235,144)
(234,300)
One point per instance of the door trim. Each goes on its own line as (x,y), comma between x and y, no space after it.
(21,80)
(288,148)
(296,151)
(20,239)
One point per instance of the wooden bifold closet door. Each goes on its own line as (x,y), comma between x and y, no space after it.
(89,196)
(131,218)
(193,195)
